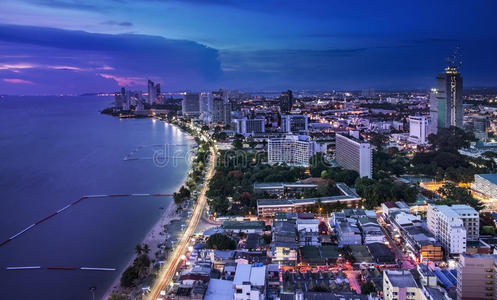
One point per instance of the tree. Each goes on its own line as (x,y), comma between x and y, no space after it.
(367,288)
(458,195)
(317,164)
(450,139)
(129,276)
(237,144)
(138,249)
(115,296)
(146,249)
(378,140)
(220,241)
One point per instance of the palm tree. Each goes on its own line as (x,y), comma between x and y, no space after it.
(138,249)
(146,249)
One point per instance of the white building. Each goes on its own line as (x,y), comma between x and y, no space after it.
(249,282)
(309,225)
(190,104)
(446,225)
(292,150)
(486,184)
(418,126)
(354,154)
(294,123)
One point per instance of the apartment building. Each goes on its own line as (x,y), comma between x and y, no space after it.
(476,277)
(291,150)
(447,226)
(354,154)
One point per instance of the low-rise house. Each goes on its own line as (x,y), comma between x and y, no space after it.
(243,226)
(309,238)
(284,243)
(381,254)
(310,225)
(348,234)
(249,282)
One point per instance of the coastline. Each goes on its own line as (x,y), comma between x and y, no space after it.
(153,236)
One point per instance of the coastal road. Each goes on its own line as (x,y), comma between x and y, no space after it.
(169,268)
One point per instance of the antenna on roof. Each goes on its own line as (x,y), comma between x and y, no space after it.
(455,60)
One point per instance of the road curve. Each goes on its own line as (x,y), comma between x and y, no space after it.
(167,271)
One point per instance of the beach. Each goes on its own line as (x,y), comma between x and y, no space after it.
(153,238)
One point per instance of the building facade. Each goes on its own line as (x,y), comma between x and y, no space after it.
(292,150)
(476,277)
(190,106)
(485,184)
(418,126)
(353,154)
(449,99)
(286,101)
(446,225)
(294,123)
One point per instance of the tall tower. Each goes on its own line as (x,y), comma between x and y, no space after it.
(449,98)
(286,101)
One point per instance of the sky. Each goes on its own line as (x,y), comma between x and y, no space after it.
(80,46)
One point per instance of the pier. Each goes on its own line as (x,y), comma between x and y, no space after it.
(74,203)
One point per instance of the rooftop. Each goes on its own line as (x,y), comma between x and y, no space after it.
(219,290)
(401,279)
(231,225)
(490,177)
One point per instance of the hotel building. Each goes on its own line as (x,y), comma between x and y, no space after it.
(354,154)
(291,150)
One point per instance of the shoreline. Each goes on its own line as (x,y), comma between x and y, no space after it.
(152,237)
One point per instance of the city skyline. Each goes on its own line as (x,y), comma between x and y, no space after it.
(68,46)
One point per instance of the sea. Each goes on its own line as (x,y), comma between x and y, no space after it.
(53,151)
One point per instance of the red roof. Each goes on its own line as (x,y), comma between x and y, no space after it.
(195,277)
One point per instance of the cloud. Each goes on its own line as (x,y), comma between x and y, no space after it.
(17,81)
(177,64)
(115,23)
(125,81)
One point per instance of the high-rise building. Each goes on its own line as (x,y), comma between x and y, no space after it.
(453,226)
(449,99)
(476,277)
(294,123)
(158,94)
(433,129)
(190,106)
(292,150)
(354,154)
(418,127)
(151,92)
(221,111)
(247,126)
(286,101)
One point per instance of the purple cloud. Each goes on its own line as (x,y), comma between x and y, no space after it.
(50,57)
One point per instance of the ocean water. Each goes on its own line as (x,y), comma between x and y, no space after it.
(53,150)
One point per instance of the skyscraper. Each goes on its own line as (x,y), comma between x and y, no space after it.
(190,106)
(448,99)
(151,92)
(286,101)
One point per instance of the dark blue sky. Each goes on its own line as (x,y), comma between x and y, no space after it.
(71,46)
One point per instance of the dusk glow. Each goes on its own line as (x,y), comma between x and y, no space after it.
(247,45)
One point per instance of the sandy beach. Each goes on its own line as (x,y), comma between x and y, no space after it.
(152,239)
